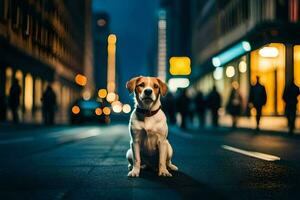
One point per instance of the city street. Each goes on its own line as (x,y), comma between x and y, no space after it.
(89,162)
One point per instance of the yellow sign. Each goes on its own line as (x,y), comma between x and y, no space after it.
(180,65)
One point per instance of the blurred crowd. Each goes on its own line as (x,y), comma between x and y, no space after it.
(48,103)
(182,108)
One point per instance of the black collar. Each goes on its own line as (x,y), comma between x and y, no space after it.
(147,113)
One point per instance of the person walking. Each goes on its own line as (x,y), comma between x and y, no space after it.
(290,95)
(49,104)
(14,99)
(182,107)
(234,106)
(214,103)
(200,108)
(169,107)
(258,98)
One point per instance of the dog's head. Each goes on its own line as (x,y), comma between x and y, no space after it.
(147,89)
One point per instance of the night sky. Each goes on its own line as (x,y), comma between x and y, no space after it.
(133,21)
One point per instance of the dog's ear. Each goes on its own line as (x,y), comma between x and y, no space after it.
(163,87)
(130,85)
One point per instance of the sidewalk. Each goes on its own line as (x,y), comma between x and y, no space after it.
(278,124)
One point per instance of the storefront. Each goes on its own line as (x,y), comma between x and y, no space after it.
(32,87)
(269,63)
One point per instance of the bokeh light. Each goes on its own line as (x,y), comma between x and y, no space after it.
(116,106)
(242,66)
(102,93)
(86,95)
(111,97)
(230,71)
(106,111)
(112,38)
(98,111)
(75,110)
(80,79)
(126,108)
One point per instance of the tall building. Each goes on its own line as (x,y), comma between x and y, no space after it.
(100,35)
(175,28)
(237,40)
(41,43)
(88,50)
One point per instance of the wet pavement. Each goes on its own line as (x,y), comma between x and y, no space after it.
(89,163)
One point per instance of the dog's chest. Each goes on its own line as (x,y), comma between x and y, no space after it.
(151,126)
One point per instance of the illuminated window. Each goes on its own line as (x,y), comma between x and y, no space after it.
(267,67)
(297,69)
(28,98)
(8,74)
(19,76)
(38,92)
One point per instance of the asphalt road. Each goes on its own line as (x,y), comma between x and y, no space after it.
(89,163)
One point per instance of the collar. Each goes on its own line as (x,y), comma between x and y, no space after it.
(147,113)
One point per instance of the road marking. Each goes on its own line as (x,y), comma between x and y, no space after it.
(254,154)
(24,139)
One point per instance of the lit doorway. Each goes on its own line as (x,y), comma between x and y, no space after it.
(268,63)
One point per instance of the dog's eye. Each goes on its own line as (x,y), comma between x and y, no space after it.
(142,85)
(155,86)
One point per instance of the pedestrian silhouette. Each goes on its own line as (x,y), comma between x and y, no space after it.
(290,95)
(214,103)
(3,107)
(169,105)
(14,99)
(182,107)
(258,98)
(200,108)
(234,105)
(191,109)
(49,104)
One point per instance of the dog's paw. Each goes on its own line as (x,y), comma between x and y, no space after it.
(173,167)
(164,172)
(134,173)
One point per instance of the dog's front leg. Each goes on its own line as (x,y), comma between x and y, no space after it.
(162,168)
(135,172)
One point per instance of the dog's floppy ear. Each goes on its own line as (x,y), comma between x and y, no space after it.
(163,87)
(130,85)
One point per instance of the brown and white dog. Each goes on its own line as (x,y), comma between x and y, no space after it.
(149,146)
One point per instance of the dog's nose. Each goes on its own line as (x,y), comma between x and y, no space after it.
(148,92)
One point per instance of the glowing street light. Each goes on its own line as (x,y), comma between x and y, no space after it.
(111,97)
(230,71)
(102,93)
(80,79)
(126,108)
(75,110)
(98,111)
(116,106)
(106,111)
(242,66)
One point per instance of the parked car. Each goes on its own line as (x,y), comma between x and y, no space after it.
(88,111)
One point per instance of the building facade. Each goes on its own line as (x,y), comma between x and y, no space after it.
(101,32)
(234,41)
(176,19)
(41,43)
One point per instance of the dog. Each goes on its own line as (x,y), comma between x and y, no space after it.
(149,146)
